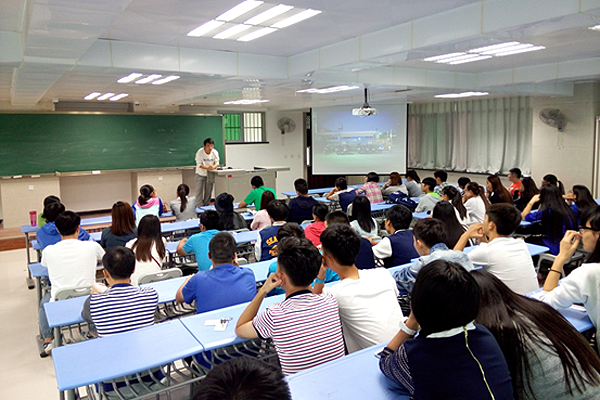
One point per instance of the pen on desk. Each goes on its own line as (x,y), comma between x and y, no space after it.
(225,320)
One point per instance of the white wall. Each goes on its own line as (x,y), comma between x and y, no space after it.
(19,196)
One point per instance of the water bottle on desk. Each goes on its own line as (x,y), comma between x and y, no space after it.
(33,218)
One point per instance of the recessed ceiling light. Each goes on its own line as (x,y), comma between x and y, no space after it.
(238,10)
(267,15)
(468,60)
(119,96)
(459,95)
(493,47)
(449,55)
(234,30)
(256,34)
(165,80)
(246,102)
(92,96)
(131,77)
(483,53)
(522,50)
(106,96)
(205,28)
(301,16)
(148,79)
(328,90)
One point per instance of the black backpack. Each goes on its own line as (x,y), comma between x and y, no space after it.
(402,198)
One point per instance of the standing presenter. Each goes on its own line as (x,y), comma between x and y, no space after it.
(207,158)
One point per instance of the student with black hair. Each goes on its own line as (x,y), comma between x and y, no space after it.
(147,204)
(361,219)
(265,247)
(207,159)
(445,212)
(255,195)
(475,201)
(550,179)
(430,242)
(210,225)
(49,234)
(429,197)
(41,218)
(462,183)
(230,220)
(313,231)
(365,258)
(451,358)
(413,183)
(496,192)
(121,307)
(287,323)
(122,228)
(342,193)
(371,188)
(244,378)
(527,190)
(149,248)
(581,198)
(397,248)
(183,207)
(394,184)
(261,218)
(225,284)
(367,299)
(301,206)
(453,196)
(514,177)
(440,177)
(506,258)
(546,356)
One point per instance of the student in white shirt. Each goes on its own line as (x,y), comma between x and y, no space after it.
(207,159)
(475,202)
(367,299)
(505,257)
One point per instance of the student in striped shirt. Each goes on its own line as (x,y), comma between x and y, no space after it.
(121,307)
(305,327)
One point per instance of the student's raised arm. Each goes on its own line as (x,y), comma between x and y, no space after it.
(474,231)
(568,246)
(180,249)
(244,327)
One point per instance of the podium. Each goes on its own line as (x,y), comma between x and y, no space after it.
(236,181)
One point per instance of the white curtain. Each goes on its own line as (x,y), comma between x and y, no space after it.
(486,136)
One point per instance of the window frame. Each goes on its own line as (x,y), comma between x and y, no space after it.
(243,133)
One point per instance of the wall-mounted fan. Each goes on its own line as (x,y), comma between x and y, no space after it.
(554,118)
(286,125)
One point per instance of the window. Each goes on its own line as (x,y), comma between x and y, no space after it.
(244,127)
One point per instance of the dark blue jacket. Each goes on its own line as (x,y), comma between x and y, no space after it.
(403,249)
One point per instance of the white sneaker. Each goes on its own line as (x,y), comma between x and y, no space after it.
(47,350)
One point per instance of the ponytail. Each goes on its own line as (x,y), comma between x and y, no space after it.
(182,191)
(478,190)
(145,194)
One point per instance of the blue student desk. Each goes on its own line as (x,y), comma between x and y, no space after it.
(355,376)
(114,356)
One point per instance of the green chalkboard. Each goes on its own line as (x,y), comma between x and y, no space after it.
(46,143)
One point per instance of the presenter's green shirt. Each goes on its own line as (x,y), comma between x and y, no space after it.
(255,195)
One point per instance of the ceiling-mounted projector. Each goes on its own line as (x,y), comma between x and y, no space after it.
(365,110)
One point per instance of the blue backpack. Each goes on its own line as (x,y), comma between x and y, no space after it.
(402,198)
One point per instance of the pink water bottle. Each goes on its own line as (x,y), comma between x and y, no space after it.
(33,218)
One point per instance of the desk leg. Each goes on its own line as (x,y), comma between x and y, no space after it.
(57,336)
(30,284)
(68,394)
(39,289)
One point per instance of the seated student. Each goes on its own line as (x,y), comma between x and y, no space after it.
(451,358)
(147,204)
(397,248)
(440,177)
(265,247)
(453,196)
(365,258)
(70,263)
(496,192)
(361,219)
(230,220)
(122,228)
(255,195)
(429,197)
(547,358)
(244,378)
(505,257)
(302,205)
(261,218)
(475,202)
(367,299)
(463,181)
(371,188)
(121,307)
(210,225)
(413,183)
(341,193)
(48,234)
(183,207)
(393,184)
(553,180)
(580,199)
(430,238)
(444,211)
(225,284)
(314,230)
(302,312)
(41,218)
(527,190)
(149,248)
(514,177)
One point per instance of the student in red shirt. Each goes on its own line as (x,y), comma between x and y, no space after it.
(314,230)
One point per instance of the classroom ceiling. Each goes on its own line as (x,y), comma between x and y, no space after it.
(62,50)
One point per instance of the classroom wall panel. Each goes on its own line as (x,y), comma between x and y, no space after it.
(19,196)
(95,192)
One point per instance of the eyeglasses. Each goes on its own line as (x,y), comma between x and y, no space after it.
(585,228)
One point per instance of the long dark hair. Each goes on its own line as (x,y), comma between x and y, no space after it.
(556,214)
(266,198)
(412,174)
(553,180)
(499,189)
(456,200)
(592,215)
(123,220)
(182,191)
(478,190)
(516,322)
(145,194)
(149,234)
(361,211)
(583,198)
(444,211)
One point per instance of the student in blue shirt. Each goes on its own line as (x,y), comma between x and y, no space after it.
(210,224)
(225,284)
(48,234)
(265,247)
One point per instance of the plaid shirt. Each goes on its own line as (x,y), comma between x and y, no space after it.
(373,192)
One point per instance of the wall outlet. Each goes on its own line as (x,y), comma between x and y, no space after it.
(160,178)
(30,187)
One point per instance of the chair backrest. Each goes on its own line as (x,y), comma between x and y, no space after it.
(239,230)
(346,199)
(70,292)
(159,275)
(307,221)
(242,261)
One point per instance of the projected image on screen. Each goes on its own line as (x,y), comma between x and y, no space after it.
(344,144)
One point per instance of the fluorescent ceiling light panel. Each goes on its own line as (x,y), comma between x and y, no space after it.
(468,60)
(148,79)
(451,59)
(595,28)
(508,48)
(119,96)
(459,95)
(267,15)
(493,47)
(238,10)
(92,96)
(234,30)
(165,80)
(256,34)
(106,96)
(328,90)
(294,19)
(205,28)
(131,77)
(246,102)
(449,55)
(518,51)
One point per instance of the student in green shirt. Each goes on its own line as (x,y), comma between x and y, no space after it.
(258,188)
